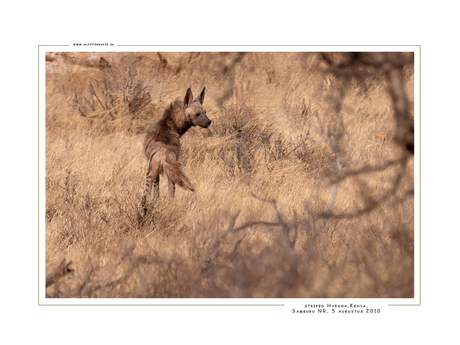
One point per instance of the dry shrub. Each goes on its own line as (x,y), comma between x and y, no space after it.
(295,196)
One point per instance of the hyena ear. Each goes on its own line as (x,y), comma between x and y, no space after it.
(188,98)
(200,97)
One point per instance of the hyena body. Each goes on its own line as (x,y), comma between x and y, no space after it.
(162,146)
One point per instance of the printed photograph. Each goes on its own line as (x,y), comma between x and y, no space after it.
(229,174)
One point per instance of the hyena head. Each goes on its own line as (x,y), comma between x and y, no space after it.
(194,109)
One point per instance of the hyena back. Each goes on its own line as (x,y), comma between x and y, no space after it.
(162,146)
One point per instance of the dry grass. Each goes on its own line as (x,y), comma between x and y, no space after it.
(265,219)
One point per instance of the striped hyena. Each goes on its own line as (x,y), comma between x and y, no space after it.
(162,146)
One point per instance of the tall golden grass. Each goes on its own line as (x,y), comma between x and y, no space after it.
(300,189)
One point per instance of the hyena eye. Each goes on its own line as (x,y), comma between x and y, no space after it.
(198,114)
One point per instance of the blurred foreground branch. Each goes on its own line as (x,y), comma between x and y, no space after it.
(391,64)
(361,66)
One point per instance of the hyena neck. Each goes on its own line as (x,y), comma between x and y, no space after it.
(182,126)
(180,122)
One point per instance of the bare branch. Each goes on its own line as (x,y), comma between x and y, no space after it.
(60,272)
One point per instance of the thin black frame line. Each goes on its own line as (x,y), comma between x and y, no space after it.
(38,161)
(265,45)
(166,305)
